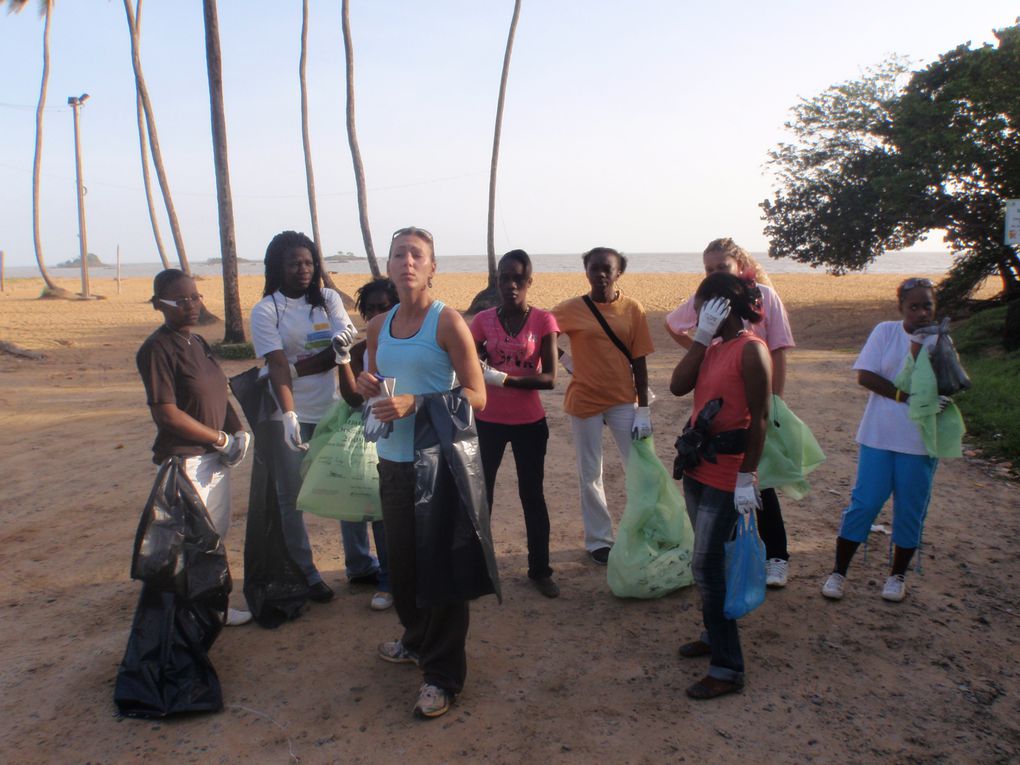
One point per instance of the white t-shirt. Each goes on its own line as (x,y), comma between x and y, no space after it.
(279,323)
(774,328)
(886,424)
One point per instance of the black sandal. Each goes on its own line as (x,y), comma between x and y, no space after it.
(699,691)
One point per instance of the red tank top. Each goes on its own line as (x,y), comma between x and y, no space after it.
(722,376)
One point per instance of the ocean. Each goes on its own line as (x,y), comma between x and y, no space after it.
(650,262)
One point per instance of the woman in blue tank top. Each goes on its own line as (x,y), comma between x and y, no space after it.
(422,345)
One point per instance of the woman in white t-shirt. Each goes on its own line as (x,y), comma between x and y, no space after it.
(292,328)
(727,256)
(893,458)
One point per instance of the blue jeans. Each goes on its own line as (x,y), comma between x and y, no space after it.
(287,474)
(358,555)
(714,518)
(880,472)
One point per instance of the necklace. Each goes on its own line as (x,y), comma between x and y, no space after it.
(503,319)
(185,338)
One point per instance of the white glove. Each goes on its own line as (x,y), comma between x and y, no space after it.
(238,448)
(292,433)
(342,342)
(944,401)
(642,423)
(493,376)
(293,373)
(226,446)
(712,315)
(745,496)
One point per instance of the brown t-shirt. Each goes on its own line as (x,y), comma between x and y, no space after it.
(185,374)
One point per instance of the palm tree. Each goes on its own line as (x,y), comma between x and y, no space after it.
(234,329)
(144,149)
(489,297)
(352,139)
(306,141)
(46,11)
(157,155)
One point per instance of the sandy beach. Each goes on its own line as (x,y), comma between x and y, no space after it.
(583,678)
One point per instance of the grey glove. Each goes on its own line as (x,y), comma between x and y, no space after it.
(342,342)
(237,449)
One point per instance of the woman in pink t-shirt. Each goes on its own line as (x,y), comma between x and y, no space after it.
(726,256)
(518,344)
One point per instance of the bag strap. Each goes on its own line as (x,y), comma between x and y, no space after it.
(607,329)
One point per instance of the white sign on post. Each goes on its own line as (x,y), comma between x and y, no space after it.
(1012,222)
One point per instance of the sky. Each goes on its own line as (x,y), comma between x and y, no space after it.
(643,125)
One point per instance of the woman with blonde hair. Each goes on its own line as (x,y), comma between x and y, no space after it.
(726,256)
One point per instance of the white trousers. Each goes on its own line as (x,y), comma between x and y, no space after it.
(211,479)
(598,525)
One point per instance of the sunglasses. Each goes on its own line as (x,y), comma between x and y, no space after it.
(413,231)
(909,284)
(182,302)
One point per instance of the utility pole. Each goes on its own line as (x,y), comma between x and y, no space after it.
(75,104)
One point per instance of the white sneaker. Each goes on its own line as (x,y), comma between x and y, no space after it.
(776,572)
(895,588)
(834,586)
(236,617)
(381,601)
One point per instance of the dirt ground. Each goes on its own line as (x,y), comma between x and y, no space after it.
(583,678)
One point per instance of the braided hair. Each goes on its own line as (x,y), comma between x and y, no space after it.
(280,246)
(743,294)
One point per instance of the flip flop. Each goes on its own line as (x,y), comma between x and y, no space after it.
(701,692)
(694,649)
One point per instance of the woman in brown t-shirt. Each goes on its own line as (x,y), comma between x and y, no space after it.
(186,391)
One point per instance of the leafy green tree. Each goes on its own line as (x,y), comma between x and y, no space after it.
(879,162)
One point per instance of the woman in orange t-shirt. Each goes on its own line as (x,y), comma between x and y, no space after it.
(609,385)
(732,381)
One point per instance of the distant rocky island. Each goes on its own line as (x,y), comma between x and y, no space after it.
(93,261)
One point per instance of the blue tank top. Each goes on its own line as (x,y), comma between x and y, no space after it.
(419,366)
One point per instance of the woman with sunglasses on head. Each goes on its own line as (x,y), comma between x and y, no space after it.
(733,374)
(609,385)
(518,343)
(292,328)
(422,345)
(186,391)
(893,458)
(372,298)
(726,256)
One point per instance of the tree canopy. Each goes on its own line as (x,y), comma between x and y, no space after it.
(879,162)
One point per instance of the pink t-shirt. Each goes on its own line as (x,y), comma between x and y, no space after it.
(774,328)
(520,356)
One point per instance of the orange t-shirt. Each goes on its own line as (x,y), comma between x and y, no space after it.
(602,374)
(722,376)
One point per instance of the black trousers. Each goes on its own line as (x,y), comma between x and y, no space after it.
(529,445)
(438,635)
(771,528)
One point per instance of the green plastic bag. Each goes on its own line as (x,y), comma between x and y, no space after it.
(340,476)
(652,553)
(790,454)
(942,432)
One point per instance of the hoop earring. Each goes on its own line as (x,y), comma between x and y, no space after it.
(430,283)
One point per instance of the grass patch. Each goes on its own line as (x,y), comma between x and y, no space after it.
(991,409)
(234,351)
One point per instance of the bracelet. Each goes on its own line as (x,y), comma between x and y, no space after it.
(899,393)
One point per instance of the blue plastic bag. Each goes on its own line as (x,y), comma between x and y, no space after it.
(745,570)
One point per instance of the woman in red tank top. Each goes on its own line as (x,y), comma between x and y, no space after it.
(733,378)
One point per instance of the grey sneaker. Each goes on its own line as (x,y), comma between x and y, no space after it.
(777,571)
(895,588)
(834,586)
(394,652)
(433,701)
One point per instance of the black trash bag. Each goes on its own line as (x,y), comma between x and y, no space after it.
(694,443)
(950,375)
(181,560)
(274,586)
(166,669)
(176,547)
(454,559)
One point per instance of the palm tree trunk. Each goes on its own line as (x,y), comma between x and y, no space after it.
(51,287)
(234,329)
(157,155)
(306,142)
(352,139)
(144,149)
(497,133)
